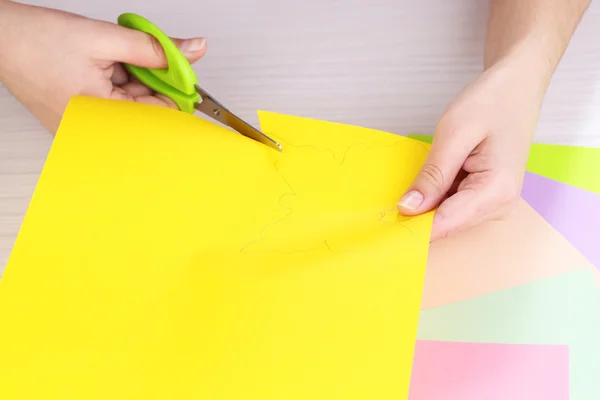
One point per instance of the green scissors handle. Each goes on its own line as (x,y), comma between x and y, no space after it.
(178,81)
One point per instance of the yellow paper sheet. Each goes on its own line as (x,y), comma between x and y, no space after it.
(164,257)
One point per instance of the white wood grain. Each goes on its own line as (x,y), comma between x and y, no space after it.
(386,64)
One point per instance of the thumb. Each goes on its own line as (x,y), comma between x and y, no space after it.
(444,161)
(120,44)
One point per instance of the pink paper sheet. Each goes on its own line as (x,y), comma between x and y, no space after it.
(482,371)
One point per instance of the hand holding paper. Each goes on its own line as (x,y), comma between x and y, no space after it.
(474,171)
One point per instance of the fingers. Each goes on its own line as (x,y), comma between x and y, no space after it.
(118,93)
(444,161)
(135,91)
(156,100)
(479,198)
(193,49)
(119,75)
(166,101)
(120,44)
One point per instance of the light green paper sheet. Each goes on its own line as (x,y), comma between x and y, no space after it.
(575,166)
(422,138)
(564,309)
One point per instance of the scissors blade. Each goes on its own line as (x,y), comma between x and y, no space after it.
(211,107)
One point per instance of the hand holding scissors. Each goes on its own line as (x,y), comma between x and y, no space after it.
(179,82)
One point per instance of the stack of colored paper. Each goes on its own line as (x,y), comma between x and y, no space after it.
(511,310)
(163,256)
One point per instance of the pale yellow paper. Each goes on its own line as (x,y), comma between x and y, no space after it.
(163,257)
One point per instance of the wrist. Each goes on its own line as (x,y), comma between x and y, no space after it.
(7,17)
(531,64)
(5,10)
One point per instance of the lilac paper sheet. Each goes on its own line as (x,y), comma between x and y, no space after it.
(573,212)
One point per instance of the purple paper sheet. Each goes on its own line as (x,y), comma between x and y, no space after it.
(573,212)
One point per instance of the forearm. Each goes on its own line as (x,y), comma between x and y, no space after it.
(536,32)
(6,7)
(6,15)
(17,25)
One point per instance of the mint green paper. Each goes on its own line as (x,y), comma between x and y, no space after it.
(563,309)
(575,166)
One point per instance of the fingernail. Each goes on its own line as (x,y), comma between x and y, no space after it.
(193,45)
(411,200)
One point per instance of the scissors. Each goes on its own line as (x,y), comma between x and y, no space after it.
(179,82)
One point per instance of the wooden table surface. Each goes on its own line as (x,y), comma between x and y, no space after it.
(386,64)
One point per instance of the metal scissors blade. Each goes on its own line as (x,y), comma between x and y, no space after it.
(211,107)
